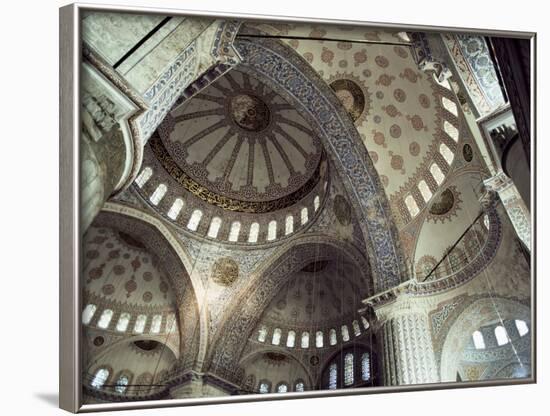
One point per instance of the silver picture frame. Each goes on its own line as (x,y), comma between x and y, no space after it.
(70,298)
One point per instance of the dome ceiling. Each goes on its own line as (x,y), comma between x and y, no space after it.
(119,271)
(322,294)
(241,141)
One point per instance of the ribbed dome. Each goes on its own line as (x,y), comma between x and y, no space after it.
(241,140)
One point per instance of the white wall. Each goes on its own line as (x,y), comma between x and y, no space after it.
(29,124)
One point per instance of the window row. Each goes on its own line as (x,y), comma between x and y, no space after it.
(106,318)
(500,333)
(423,187)
(282,387)
(214,227)
(143,383)
(354,368)
(319,341)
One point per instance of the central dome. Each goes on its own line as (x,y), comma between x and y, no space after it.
(242,144)
(249,112)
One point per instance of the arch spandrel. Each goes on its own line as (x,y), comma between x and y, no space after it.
(290,76)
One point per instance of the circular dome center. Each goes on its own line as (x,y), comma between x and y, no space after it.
(249,112)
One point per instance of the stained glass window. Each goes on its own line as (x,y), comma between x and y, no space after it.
(345,333)
(139,326)
(272,230)
(356,329)
(158,194)
(175,208)
(123,322)
(105,319)
(319,339)
(479,342)
(88,313)
(411,206)
(447,153)
(303,215)
(276,340)
(156,323)
(305,340)
(332,337)
(289,225)
(425,190)
(214,228)
(436,172)
(254,231)
(264,387)
(262,334)
(521,327)
(144,176)
(333,376)
(100,378)
(299,386)
(365,366)
(501,335)
(290,339)
(121,384)
(195,220)
(234,231)
(316,202)
(282,388)
(348,369)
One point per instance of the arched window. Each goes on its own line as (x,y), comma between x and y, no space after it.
(356,329)
(158,194)
(282,388)
(449,106)
(276,339)
(447,153)
(521,327)
(345,333)
(365,323)
(479,342)
(451,130)
(333,376)
(291,339)
(88,313)
(365,366)
(175,208)
(234,231)
(105,319)
(144,176)
(411,206)
(319,339)
(100,378)
(155,324)
(289,225)
(214,228)
(299,386)
(305,340)
(272,230)
(121,384)
(425,190)
(348,369)
(254,231)
(262,333)
(444,83)
(501,335)
(436,172)
(195,220)
(316,202)
(265,387)
(123,322)
(303,215)
(486,221)
(139,326)
(170,323)
(332,337)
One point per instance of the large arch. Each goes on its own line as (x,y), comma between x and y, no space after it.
(244,312)
(480,312)
(191,314)
(287,73)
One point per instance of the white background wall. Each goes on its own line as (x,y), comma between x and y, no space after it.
(29,176)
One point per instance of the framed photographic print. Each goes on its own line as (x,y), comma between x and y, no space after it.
(258,208)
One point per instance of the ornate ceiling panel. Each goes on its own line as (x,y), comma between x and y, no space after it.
(120,272)
(241,140)
(394,105)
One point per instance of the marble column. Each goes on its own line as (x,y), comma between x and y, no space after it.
(408,356)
